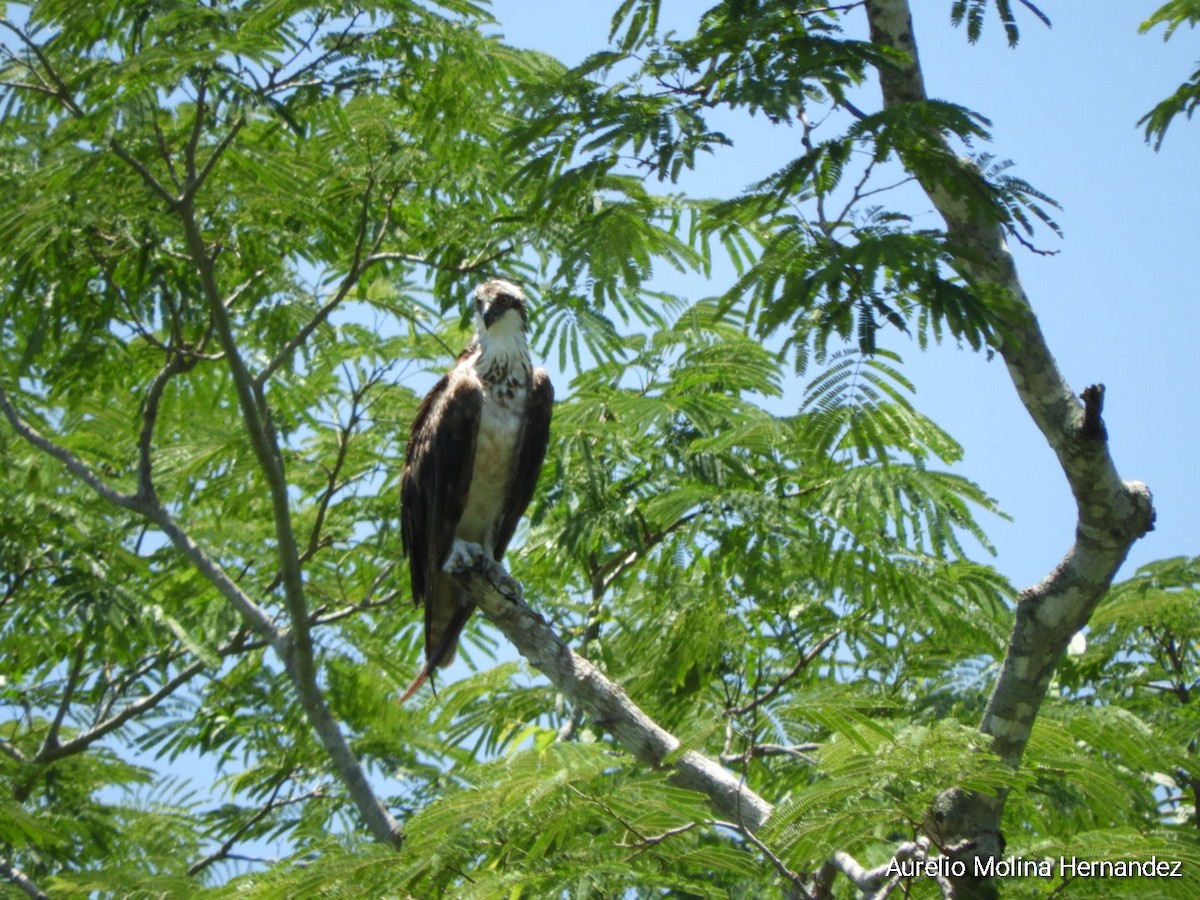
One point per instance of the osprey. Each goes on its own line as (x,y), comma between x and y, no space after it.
(474,455)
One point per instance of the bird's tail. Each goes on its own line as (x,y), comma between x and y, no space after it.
(446,613)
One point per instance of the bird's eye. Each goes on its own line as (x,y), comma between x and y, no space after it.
(504,299)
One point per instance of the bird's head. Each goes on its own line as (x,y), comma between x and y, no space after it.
(500,309)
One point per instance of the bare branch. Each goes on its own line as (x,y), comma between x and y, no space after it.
(859,876)
(755,751)
(358,265)
(331,483)
(612,813)
(23,86)
(237,292)
(175,365)
(466,268)
(325,618)
(606,703)
(61,91)
(612,570)
(165,151)
(254,615)
(1112,513)
(337,45)
(644,843)
(127,713)
(193,141)
(21,880)
(883,880)
(799,889)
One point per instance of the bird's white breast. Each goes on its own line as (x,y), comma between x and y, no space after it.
(500,422)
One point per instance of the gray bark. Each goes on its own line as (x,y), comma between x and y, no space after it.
(606,703)
(1112,513)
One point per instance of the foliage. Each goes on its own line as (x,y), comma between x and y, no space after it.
(1187,96)
(1137,681)
(235,236)
(973,12)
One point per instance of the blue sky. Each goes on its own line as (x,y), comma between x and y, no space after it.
(1116,300)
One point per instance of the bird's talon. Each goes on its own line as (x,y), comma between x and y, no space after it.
(464,556)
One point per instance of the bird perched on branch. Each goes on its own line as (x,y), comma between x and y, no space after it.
(474,455)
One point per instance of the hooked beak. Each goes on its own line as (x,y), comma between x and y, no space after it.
(492,313)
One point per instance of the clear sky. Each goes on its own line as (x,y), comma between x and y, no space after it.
(1117,301)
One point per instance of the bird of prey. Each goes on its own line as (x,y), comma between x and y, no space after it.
(474,455)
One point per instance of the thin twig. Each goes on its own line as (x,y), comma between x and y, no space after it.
(51,741)
(273,804)
(781,867)
(800,666)
(131,711)
(610,811)
(145,470)
(653,840)
(360,262)
(147,176)
(20,85)
(165,151)
(193,141)
(61,90)
(197,181)
(754,751)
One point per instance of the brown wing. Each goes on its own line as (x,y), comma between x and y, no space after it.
(529,463)
(433,494)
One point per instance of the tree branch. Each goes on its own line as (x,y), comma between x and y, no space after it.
(332,485)
(111,724)
(254,615)
(21,880)
(147,176)
(226,848)
(51,741)
(755,751)
(801,664)
(176,364)
(1112,513)
(74,465)
(606,703)
(60,89)
(296,651)
(196,181)
(798,888)
(381,823)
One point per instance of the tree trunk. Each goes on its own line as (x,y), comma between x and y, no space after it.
(1112,513)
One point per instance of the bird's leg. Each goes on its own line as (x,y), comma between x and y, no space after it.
(466,556)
